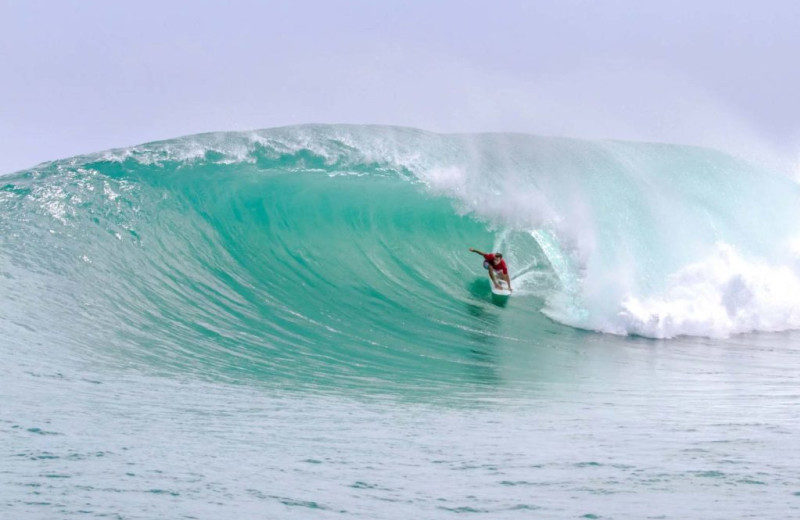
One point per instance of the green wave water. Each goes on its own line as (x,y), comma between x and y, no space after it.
(356,236)
(287,324)
(281,269)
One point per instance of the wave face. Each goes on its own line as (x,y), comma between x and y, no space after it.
(344,249)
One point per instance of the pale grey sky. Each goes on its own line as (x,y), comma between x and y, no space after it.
(88,75)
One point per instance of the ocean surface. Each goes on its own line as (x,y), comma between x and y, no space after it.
(287,323)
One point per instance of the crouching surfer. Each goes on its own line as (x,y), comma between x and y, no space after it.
(495,264)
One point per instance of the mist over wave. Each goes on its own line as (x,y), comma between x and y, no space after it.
(286,239)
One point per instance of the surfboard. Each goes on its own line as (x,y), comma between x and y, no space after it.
(500,292)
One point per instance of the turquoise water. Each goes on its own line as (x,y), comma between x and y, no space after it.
(287,324)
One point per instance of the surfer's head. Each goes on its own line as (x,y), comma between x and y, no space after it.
(498,257)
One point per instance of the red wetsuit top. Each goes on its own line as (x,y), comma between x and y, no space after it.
(499,267)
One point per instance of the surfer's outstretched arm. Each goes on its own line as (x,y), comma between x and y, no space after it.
(476,251)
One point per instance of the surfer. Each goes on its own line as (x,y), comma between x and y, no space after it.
(494,263)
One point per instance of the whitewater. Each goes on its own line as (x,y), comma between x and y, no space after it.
(287,323)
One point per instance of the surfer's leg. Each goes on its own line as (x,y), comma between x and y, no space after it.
(494,280)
